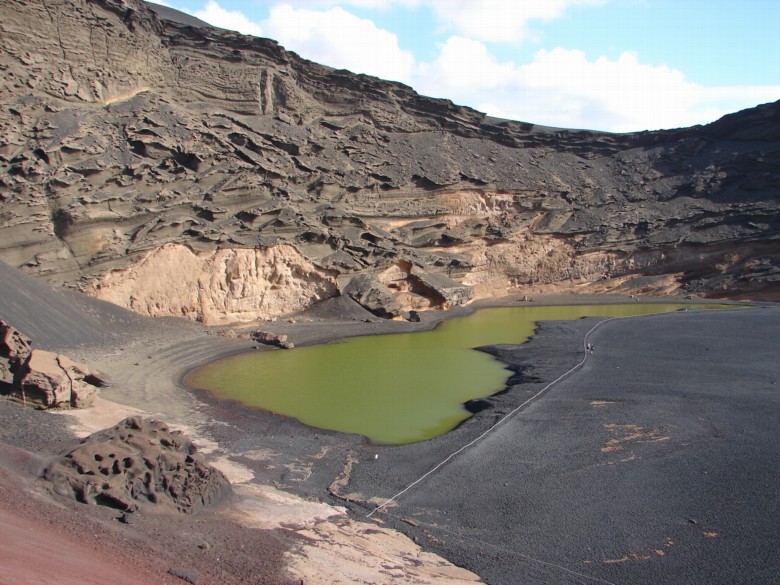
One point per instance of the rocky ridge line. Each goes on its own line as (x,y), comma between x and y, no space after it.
(137,151)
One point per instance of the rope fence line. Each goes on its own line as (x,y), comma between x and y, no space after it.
(506,417)
(510,551)
(586,350)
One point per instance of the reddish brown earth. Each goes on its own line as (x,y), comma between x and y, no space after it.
(45,540)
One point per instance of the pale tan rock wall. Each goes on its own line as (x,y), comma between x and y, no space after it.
(218,287)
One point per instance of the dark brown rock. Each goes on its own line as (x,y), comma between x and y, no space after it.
(139,462)
(14,350)
(443,290)
(373,296)
(41,378)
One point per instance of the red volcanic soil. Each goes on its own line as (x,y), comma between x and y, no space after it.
(45,539)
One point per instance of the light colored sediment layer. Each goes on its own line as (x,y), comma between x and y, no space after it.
(347,552)
(217,287)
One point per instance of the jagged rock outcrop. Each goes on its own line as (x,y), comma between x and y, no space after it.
(127,139)
(373,296)
(139,462)
(41,378)
(15,347)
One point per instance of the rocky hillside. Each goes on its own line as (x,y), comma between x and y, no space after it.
(177,169)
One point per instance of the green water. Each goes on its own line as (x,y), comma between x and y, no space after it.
(393,389)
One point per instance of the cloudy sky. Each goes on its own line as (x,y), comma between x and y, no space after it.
(616,65)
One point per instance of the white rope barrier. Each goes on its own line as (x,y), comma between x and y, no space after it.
(517,553)
(499,422)
(587,349)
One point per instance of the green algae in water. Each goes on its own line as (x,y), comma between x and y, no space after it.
(393,389)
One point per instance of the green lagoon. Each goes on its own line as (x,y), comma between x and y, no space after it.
(393,389)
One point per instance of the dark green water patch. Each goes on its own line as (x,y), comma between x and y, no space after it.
(393,389)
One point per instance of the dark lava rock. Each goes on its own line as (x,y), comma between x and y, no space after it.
(138,462)
(373,296)
(187,575)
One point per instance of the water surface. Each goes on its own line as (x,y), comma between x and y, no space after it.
(393,389)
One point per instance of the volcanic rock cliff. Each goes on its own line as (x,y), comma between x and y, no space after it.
(178,169)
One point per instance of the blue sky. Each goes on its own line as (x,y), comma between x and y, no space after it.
(616,65)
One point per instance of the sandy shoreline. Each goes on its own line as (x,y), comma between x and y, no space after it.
(270,458)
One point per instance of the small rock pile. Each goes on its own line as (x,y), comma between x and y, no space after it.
(273,339)
(41,378)
(138,462)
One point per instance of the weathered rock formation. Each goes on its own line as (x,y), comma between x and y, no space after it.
(41,378)
(15,348)
(187,170)
(274,339)
(139,462)
(371,294)
(217,286)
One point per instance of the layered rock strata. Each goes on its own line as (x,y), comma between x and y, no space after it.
(186,170)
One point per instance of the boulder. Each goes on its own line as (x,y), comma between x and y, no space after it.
(273,339)
(41,378)
(14,349)
(84,382)
(49,380)
(373,296)
(139,462)
(440,287)
(43,382)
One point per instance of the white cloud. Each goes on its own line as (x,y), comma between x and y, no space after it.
(217,16)
(497,21)
(559,87)
(369,4)
(564,88)
(340,39)
(494,21)
(463,66)
(500,21)
(332,37)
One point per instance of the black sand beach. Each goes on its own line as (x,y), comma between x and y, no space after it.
(656,462)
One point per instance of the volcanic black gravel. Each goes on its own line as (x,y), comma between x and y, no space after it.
(655,462)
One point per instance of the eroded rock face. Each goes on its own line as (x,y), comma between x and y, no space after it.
(139,462)
(41,378)
(178,169)
(374,296)
(220,286)
(44,381)
(14,349)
